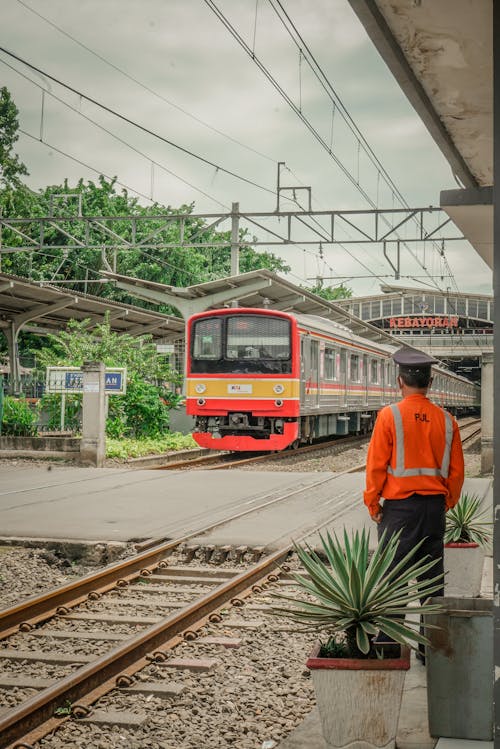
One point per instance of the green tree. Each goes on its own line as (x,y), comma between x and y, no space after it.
(143,411)
(11,168)
(331,293)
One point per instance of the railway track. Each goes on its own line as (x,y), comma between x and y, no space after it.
(87,638)
(63,651)
(233,460)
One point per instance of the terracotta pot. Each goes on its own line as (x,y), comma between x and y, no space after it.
(463,565)
(359,699)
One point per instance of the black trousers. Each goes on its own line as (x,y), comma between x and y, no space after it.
(417,517)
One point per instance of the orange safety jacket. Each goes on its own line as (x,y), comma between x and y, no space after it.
(415,449)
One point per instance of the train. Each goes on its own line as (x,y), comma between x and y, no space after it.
(265,380)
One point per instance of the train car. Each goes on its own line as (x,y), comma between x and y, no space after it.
(260,379)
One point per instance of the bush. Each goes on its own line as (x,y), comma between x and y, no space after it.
(129,448)
(140,413)
(19,419)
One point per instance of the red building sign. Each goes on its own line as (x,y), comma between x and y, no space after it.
(423,322)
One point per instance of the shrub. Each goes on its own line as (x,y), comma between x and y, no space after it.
(19,419)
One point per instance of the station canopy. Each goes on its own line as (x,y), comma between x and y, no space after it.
(441,54)
(38,307)
(258,288)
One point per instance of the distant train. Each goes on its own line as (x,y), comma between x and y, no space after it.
(258,379)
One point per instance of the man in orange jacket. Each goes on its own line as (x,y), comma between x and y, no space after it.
(415,463)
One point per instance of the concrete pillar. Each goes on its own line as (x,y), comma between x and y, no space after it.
(11,334)
(93,442)
(487,381)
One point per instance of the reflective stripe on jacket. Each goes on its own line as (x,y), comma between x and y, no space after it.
(415,449)
(399,446)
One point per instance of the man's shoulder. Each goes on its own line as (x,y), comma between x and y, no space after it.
(386,411)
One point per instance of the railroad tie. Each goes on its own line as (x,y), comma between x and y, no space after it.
(157,688)
(225,642)
(39,655)
(190,664)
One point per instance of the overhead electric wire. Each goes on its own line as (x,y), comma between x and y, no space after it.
(232,30)
(143,85)
(149,159)
(137,125)
(84,164)
(321,76)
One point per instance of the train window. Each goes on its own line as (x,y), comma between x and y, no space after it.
(329,364)
(374,371)
(258,337)
(207,338)
(354,368)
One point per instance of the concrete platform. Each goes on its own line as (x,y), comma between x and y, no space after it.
(115,504)
(106,505)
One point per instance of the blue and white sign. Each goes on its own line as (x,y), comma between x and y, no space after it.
(70,380)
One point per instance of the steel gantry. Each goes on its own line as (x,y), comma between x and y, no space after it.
(275,228)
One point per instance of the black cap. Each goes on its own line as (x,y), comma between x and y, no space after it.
(407,357)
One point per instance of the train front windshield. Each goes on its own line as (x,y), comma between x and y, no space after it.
(241,344)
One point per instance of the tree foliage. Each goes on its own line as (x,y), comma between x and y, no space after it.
(11,168)
(144,410)
(332,293)
(172,265)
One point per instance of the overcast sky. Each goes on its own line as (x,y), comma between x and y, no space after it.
(181,51)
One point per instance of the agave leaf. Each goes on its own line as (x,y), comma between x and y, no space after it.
(362,640)
(368,627)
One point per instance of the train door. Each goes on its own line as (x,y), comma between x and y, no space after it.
(308,372)
(315,373)
(364,378)
(343,377)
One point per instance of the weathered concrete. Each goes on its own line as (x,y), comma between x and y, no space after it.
(37,444)
(93,442)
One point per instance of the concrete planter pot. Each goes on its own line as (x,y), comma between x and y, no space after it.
(359,699)
(463,565)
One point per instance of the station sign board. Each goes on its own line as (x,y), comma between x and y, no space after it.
(70,380)
(443,321)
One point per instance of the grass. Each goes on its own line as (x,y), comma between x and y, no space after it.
(138,448)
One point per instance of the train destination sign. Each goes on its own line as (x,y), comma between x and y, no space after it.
(70,380)
(423,322)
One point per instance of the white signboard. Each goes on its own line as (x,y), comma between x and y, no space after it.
(165,348)
(70,380)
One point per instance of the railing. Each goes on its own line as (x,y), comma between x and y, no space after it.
(468,339)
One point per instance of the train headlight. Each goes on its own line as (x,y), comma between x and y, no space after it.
(278,402)
(200,388)
(201,401)
(278,389)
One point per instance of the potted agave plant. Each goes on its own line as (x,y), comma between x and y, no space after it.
(350,598)
(466,529)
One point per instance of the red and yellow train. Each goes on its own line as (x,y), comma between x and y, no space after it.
(259,379)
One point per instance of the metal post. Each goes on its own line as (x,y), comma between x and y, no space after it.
(496,348)
(63,410)
(235,235)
